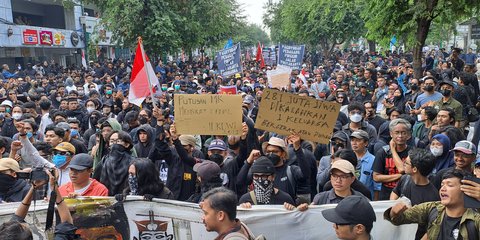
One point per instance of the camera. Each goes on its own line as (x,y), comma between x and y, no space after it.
(36,174)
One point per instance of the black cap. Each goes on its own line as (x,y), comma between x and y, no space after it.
(352,210)
(446,82)
(81,161)
(263,165)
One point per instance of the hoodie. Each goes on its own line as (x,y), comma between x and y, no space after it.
(101,150)
(143,149)
(446,159)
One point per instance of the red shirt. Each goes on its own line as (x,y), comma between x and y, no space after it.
(95,189)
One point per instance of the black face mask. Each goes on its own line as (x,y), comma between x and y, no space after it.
(428,88)
(216,158)
(6,182)
(446,92)
(414,87)
(274,158)
(143,120)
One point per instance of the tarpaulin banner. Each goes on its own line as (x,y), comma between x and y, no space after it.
(166,219)
(228,61)
(291,56)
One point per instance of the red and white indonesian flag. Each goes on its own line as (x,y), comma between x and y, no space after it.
(142,74)
(84,60)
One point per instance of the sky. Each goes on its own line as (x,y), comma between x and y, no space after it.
(253,10)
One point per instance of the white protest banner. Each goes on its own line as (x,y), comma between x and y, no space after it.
(279,77)
(167,219)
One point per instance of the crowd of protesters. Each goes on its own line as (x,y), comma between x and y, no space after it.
(396,136)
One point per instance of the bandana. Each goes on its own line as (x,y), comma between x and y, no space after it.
(133,184)
(263,190)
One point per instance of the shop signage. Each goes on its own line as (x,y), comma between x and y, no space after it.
(74,38)
(46,38)
(30,37)
(59,39)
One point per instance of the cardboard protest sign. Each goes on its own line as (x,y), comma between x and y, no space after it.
(208,114)
(279,77)
(229,61)
(291,56)
(283,113)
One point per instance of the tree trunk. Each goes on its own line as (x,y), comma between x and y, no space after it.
(372,45)
(423,26)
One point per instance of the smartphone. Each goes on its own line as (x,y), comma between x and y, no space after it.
(468,201)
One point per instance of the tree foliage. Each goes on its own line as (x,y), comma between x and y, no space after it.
(250,35)
(412,19)
(169,25)
(323,23)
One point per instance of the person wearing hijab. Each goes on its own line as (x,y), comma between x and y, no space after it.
(440,148)
(114,166)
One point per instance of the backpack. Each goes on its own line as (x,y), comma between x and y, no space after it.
(239,236)
(470,224)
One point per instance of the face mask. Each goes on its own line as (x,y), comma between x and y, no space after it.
(263,190)
(2,115)
(81,93)
(436,151)
(446,92)
(90,109)
(73,133)
(29,134)
(428,88)
(58,99)
(17,116)
(356,118)
(164,89)
(6,182)
(133,184)
(59,160)
(216,158)
(118,148)
(274,158)
(176,87)
(143,120)
(8,110)
(414,87)
(109,92)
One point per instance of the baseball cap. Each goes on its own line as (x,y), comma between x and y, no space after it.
(7,103)
(248,99)
(9,164)
(466,147)
(65,147)
(207,170)
(360,134)
(63,125)
(344,166)
(353,209)
(446,82)
(81,161)
(187,140)
(217,144)
(340,135)
(263,165)
(274,141)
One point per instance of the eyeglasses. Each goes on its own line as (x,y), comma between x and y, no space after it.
(341,177)
(61,153)
(115,141)
(341,224)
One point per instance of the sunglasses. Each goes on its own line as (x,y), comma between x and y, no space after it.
(61,153)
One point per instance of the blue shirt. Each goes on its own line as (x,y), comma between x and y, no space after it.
(423,98)
(366,173)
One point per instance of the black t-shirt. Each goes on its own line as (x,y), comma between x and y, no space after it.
(385,165)
(450,229)
(278,198)
(416,193)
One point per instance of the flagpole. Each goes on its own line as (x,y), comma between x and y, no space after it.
(145,65)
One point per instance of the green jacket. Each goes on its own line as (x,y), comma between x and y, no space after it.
(419,214)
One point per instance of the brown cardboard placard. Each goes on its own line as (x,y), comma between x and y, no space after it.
(208,114)
(284,113)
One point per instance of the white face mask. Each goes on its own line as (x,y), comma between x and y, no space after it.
(17,116)
(436,151)
(90,109)
(356,118)
(419,118)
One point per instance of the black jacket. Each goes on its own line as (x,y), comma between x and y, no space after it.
(17,192)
